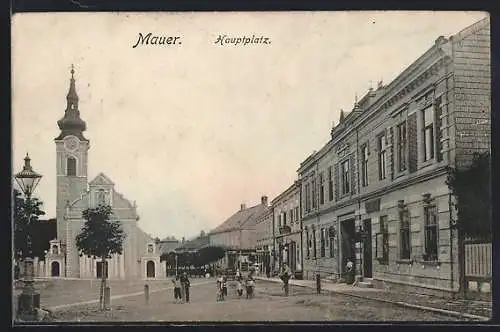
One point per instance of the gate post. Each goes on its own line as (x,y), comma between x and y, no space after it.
(146,293)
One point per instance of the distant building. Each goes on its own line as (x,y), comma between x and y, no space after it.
(167,245)
(237,233)
(287,229)
(376,193)
(199,242)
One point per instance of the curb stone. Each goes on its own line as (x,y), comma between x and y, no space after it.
(399,303)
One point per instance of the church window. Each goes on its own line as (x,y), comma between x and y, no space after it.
(150,248)
(71,166)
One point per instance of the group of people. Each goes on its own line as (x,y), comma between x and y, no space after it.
(181,288)
(248,282)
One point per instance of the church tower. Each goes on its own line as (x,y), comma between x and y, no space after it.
(71,152)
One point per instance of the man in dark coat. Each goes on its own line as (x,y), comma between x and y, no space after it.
(185,285)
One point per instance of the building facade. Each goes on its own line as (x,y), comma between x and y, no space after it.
(238,234)
(264,240)
(376,193)
(140,258)
(287,229)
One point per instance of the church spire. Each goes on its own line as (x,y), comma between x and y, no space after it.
(71,123)
(72,97)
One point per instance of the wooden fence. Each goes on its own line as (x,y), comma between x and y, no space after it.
(478,261)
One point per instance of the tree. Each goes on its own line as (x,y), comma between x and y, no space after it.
(210,254)
(472,189)
(22,226)
(101,237)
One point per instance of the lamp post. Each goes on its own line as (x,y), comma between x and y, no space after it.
(28,300)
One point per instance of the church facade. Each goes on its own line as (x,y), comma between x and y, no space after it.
(140,258)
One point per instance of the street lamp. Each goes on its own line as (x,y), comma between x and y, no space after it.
(28,300)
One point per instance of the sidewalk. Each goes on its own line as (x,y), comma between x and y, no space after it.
(477,310)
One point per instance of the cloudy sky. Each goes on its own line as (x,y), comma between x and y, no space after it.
(191,131)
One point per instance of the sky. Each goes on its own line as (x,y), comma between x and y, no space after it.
(193,130)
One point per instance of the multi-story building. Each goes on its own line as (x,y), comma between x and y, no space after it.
(287,229)
(376,193)
(264,240)
(140,258)
(237,233)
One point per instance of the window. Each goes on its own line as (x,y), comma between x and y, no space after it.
(308,197)
(291,216)
(438,104)
(296,213)
(345,177)
(150,248)
(322,242)
(428,134)
(321,189)
(364,165)
(382,156)
(101,197)
(314,243)
(382,245)
(308,243)
(330,183)
(313,185)
(284,218)
(71,166)
(55,250)
(404,234)
(401,155)
(331,235)
(431,233)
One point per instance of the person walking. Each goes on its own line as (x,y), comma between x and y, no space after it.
(185,284)
(285,276)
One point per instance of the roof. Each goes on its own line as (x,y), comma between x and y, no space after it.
(243,219)
(167,246)
(197,243)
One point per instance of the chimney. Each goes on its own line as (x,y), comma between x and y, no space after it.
(263,200)
(242,206)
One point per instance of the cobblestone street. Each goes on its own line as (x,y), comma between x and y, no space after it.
(268,305)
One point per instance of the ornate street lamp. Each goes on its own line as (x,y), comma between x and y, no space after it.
(28,300)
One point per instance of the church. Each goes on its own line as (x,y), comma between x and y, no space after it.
(140,258)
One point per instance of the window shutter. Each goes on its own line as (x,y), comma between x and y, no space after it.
(336,181)
(353,167)
(438,109)
(412,142)
(390,153)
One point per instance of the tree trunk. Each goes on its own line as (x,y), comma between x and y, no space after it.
(103,284)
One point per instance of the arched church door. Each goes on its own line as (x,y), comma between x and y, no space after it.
(150,269)
(54,269)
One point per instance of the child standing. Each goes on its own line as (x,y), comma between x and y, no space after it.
(177,288)
(239,287)
(220,293)
(250,286)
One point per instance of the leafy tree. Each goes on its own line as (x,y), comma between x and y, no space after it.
(22,226)
(101,236)
(472,189)
(210,254)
